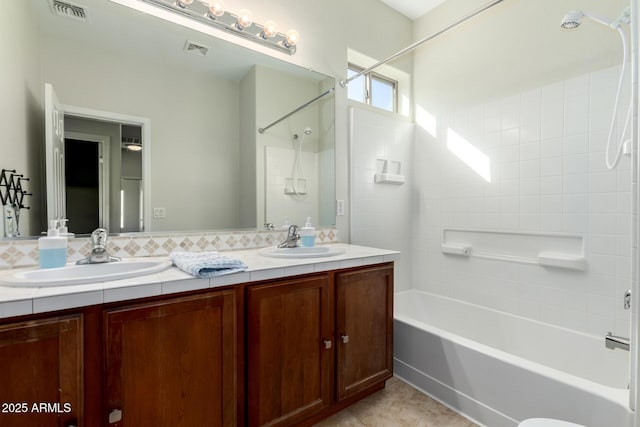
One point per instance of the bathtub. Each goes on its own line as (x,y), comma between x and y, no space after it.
(499,369)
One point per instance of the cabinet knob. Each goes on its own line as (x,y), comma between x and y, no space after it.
(327,344)
(115,416)
(344,338)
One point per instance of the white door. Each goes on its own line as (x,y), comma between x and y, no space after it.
(54,157)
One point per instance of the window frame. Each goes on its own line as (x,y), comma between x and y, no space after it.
(372,75)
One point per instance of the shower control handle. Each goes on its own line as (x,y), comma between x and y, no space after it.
(627,299)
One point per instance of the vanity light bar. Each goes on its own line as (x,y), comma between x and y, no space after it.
(212,13)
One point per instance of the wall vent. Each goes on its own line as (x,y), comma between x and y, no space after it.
(195,48)
(70,10)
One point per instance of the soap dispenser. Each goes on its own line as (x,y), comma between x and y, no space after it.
(308,233)
(64,229)
(52,249)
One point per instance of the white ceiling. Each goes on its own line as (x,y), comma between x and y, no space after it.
(412,9)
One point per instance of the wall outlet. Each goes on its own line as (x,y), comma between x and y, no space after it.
(340,207)
(158,213)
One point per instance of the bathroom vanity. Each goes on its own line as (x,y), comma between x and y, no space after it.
(288,342)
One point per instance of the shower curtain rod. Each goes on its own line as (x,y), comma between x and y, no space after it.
(327,92)
(413,46)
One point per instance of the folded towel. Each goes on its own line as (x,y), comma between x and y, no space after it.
(206,264)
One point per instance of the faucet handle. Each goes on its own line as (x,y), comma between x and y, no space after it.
(99,241)
(99,236)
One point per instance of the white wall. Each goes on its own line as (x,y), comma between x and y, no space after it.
(381,212)
(21,119)
(194,126)
(546,152)
(248,137)
(327,29)
(278,94)
(535,102)
(515,45)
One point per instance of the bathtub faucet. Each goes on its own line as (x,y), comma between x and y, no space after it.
(612,342)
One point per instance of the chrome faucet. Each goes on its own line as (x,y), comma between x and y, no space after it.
(99,252)
(612,342)
(292,238)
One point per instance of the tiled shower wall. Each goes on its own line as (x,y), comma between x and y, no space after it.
(544,149)
(381,214)
(279,164)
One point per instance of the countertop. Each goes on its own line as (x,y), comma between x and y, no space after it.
(16,301)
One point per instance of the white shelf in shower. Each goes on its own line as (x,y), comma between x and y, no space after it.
(553,250)
(570,261)
(389,178)
(388,172)
(456,249)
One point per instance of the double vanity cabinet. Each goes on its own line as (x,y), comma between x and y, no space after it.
(280,352)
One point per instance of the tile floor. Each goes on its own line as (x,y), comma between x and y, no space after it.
(399,405)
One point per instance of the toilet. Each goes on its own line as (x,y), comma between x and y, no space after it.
(546,422)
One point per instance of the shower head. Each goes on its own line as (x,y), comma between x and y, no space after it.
(573,19)
(307,131)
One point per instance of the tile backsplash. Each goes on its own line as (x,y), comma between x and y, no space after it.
(24,253)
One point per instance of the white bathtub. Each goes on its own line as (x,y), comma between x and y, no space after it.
(500,369)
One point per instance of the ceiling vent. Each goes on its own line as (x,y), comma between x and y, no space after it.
(70,10)
(195,48)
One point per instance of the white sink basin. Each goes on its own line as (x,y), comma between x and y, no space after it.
(87,273)
(301,252)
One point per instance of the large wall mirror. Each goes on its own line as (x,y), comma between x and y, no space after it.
(191,105)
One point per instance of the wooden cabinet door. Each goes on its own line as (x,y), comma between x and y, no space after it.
(289,350)
(172,363)
(42,373)
(364,329)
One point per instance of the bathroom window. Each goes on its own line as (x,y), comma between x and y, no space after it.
(373,89)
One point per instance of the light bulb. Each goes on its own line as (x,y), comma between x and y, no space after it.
(269,30)
(216,9)
(292,38)
(184,3)
(244,19)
